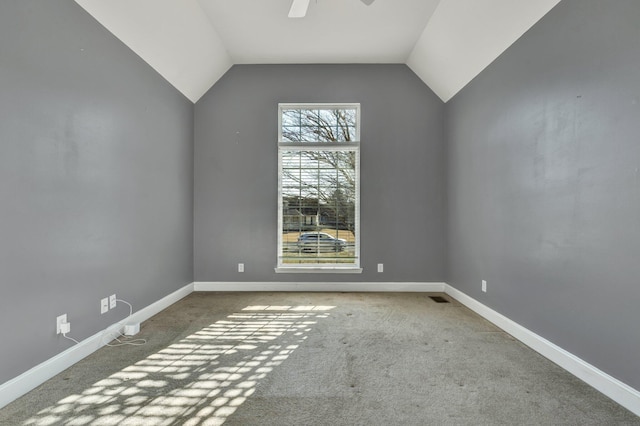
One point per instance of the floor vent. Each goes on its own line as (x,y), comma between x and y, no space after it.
(439,299)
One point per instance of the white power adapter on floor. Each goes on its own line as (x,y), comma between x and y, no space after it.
(131,329)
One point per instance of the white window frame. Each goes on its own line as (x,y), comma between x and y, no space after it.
(302,146)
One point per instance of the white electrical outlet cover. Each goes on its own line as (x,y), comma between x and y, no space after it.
(104,305)
(112,301)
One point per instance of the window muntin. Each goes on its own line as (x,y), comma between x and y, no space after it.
(318,220)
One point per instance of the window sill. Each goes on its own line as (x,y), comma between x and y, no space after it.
(316,270)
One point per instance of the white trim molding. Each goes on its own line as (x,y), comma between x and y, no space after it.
(30,379)
(155,308)
(322,286)
(313,270)
(618,391)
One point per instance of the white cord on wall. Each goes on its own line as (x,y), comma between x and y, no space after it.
(70,338)
(64,329)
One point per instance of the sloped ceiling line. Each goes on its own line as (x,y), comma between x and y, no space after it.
(192,43)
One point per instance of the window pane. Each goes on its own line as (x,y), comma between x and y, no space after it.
(318,205)
(291,117)
(291,134)
(308,134)
(348,116)
(319,125)
(328,117)
(346,134)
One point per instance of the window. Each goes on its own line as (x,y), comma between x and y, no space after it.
(318,188)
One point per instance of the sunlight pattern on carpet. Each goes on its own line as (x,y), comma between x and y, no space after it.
(199,381)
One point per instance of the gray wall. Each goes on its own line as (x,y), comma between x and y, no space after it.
(543,183)
(540,173)
(236,182)
(95,179)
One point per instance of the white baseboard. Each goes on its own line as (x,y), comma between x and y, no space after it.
(618,391)
(623,394)
(34,377)
(153,309)
(320,286)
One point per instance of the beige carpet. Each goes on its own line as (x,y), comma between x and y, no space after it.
(316,359)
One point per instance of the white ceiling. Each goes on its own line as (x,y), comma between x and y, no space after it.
(192,43)
(333,31)
(464,36)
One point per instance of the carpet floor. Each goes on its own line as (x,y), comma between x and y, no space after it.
(316,359)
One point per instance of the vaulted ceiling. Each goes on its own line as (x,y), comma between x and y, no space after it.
(192,43)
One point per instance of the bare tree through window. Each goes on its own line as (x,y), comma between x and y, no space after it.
(318,185)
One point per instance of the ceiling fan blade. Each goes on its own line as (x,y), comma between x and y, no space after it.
(298,8)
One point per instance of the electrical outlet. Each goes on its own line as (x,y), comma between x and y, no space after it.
(380,267)
(104,305)
(484,286)
(240,267)
(112,301)
(62,319)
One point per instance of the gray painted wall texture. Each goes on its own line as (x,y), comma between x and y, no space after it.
(544,183)
(236,166)
(96,159)
(540,178)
